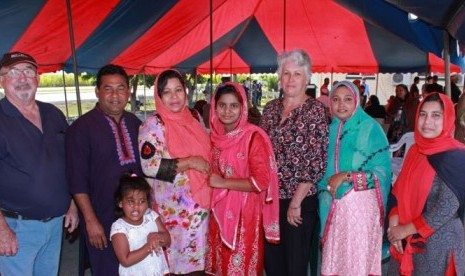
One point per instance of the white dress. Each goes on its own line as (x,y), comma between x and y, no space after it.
(152,265)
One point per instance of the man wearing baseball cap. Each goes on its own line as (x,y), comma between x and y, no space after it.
(34,196)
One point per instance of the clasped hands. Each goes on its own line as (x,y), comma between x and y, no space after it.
(396,234)
(155,242)
(199,164)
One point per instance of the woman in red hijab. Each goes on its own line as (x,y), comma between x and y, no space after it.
(426,223)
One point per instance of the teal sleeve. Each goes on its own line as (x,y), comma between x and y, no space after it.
(361,181)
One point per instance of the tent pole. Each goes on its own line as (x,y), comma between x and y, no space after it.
(230,63)
(376,88)
(428,67)
(195,85)
(64,90)
(447,63)
(284,26)
(73,51)
(332,76)
(211,46)
(145,97)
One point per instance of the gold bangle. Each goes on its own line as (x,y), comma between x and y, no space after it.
(294,207)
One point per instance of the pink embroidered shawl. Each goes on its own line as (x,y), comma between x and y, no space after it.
(226,204)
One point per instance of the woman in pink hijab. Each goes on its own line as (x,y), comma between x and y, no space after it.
(175,152)
(245,203)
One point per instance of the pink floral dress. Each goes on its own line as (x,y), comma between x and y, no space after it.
(186,221)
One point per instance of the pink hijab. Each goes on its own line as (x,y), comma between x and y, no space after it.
(226,203)
(185,137)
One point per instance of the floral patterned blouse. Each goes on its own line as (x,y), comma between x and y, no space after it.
(186,221)
(300,144)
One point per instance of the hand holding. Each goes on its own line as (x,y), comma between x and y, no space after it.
(199,164)
(397,233)
(156,241)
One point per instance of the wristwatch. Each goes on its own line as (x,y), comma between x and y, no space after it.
(349,176)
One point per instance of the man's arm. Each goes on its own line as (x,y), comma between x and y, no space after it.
(8,242)
(94,228)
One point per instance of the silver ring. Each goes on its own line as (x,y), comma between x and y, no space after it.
(329,188)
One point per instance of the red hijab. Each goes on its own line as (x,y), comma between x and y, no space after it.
(416,177)
(411,197)
(185,137)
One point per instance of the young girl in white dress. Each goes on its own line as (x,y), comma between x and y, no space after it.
(139,234)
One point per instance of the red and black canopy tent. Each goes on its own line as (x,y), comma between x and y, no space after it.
(239,36)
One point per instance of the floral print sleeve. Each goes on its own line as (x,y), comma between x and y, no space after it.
(155,160)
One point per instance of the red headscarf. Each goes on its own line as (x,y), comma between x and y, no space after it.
(416,177)
(226,203)
(185,137)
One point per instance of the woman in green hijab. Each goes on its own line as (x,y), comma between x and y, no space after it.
(354,190)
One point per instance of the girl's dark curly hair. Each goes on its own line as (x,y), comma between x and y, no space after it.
(127,183)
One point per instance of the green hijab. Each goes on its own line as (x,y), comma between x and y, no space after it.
(363,147)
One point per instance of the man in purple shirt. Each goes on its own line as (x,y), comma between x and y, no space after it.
(101,146)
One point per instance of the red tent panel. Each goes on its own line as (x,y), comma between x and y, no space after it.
(222,64)
(316,25)
(175,25)
(226,16)
(437,64)
(47,37)
(178,35)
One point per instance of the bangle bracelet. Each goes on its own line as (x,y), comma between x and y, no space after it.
(294,207)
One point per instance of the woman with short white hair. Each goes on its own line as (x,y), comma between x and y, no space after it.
(298,129)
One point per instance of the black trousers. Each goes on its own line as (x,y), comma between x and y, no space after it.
(292,255)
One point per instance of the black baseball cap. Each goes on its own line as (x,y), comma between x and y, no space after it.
(13,58)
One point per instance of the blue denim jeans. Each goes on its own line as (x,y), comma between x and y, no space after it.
(39,248)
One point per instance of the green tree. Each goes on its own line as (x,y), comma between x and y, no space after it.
(56,80)
(270,81)
(149,80)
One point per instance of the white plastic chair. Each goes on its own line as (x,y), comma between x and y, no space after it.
(396,162)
